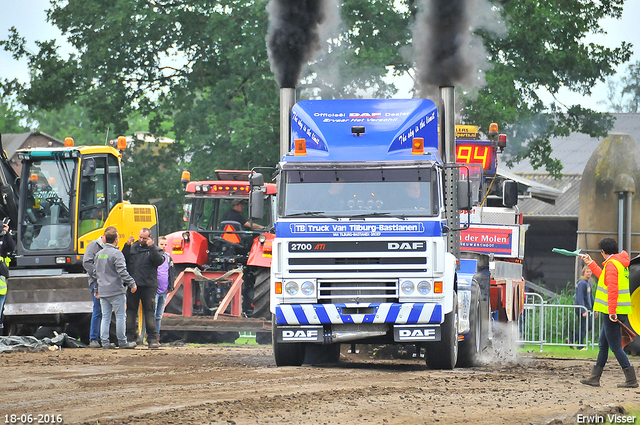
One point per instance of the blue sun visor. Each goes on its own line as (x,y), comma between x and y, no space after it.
(363,129)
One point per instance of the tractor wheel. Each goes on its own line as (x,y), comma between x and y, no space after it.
(471,347)
(444,353)
(263,338)
(286,354)
(261,294)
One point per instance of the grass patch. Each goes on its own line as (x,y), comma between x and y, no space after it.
(239,341)
(558,351)
(631,411)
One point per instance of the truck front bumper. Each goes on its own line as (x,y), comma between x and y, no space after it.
(358,313)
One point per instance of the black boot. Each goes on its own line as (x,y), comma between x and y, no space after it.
(594,379)
(630,378)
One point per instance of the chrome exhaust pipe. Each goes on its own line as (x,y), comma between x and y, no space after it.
(447,149)
(447,125)
(287,100)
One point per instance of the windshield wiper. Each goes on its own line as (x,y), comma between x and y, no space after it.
(311,213)
(370,214)
(378,214)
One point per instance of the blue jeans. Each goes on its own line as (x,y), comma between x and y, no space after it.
(161,300)
(96,318)
(610,339)
(2,298)
(118,305)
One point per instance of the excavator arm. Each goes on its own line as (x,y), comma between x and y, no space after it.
(9,190)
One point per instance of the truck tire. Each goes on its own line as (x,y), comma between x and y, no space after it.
(471,348)
(317,354)
(286,354)
(261,295)
(444,353)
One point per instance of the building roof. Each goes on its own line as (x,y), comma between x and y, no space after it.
(566,204)
(575,150)
(12,142)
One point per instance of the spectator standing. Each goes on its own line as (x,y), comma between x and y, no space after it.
(88,262)
(112,279)
(166,278)
(612,298)
(584,297)
(6,246)
(143,259)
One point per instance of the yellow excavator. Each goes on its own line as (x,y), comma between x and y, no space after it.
(63,199)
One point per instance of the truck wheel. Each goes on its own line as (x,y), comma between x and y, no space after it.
(261,295)
(290,354)
(316,354)
(470,348)
(444,353)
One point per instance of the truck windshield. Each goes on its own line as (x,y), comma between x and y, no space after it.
(207,214)
(347,192)
(46,223)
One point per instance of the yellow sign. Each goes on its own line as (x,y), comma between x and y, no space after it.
(467,132)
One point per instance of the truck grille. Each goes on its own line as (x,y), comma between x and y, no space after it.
(357,290)
(357,264)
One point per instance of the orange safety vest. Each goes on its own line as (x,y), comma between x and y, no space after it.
(601,301)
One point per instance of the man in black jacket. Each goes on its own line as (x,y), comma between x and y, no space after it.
(143,259)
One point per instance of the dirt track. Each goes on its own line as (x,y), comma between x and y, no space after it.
(241,385)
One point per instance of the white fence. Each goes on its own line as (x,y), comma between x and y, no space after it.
(551,324)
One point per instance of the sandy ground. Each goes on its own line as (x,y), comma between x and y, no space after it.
(241,385)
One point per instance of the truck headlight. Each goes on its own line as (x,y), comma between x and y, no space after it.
(407,287)
(291,288)
(308,288)
(424,287)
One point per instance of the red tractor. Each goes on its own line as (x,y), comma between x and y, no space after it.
(224,263)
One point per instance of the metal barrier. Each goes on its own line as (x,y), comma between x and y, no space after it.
(554,324)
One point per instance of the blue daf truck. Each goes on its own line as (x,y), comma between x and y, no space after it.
(367,237)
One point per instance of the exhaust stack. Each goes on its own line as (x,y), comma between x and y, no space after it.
(287,100)
(447,149)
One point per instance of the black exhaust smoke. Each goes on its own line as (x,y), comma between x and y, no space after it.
(293,37)
(446,51)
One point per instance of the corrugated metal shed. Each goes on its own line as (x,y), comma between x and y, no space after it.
(575,150)
(566,205)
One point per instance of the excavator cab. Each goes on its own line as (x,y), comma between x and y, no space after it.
(68,193)
(65,198)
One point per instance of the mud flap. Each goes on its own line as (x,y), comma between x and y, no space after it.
(299,334)
(416,333)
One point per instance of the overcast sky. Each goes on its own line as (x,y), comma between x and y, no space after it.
(29,17)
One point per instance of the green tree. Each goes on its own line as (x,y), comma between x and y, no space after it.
(203,66)
(624,95)
(71,120)
(11,112)
(544,49)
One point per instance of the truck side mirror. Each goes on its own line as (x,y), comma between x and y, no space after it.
(464,195)
(256,200)
(509,193)
(256,179)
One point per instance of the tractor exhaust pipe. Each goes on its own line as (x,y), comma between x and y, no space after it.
(287,100)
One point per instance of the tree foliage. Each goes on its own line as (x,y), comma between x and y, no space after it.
(544,50)
(624,95)
(200,69)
